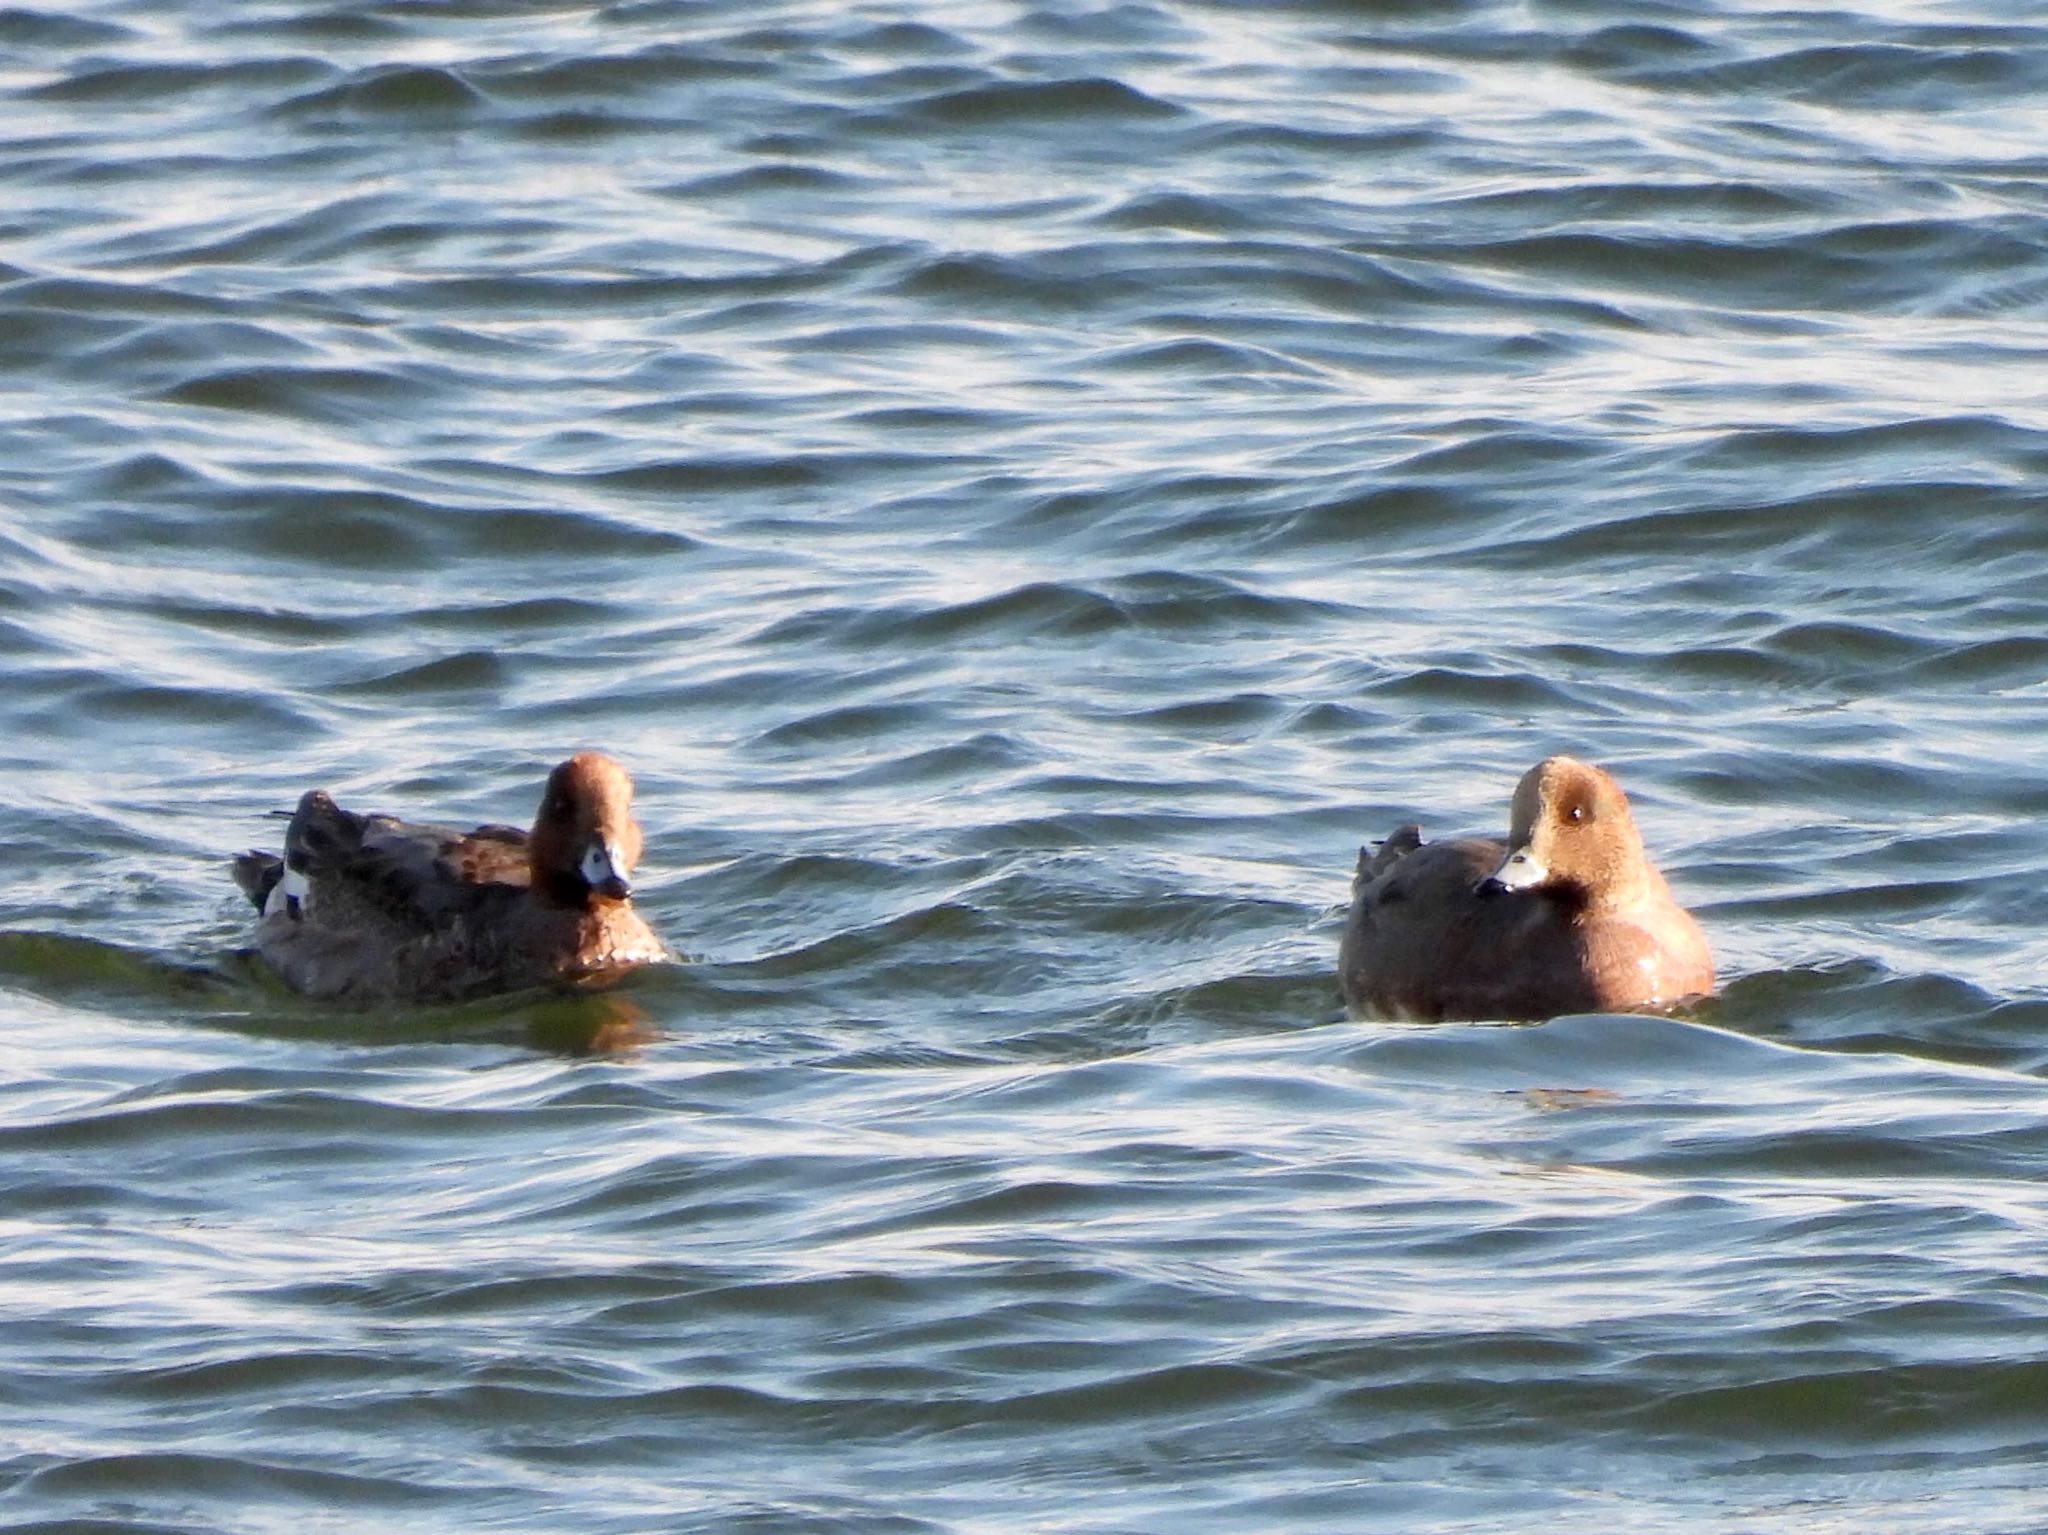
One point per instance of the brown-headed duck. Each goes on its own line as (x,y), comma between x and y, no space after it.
(369,908)
(1566,916)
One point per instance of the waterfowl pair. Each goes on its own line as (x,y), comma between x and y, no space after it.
(369,908)
(1567,916)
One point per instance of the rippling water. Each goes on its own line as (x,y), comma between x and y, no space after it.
(1029,488)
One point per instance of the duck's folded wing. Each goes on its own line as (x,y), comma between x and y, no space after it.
(377,867)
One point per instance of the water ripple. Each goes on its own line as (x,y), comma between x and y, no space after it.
(1029,491)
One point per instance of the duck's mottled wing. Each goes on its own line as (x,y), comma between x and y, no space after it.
(489,855)
(370,872)
(425,876)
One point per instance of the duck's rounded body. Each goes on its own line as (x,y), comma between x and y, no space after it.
(369,908)
(1567,916)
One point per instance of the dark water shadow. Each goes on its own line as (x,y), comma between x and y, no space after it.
(235,992)
(1862,1006)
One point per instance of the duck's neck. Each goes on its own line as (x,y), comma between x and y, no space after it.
(561,889)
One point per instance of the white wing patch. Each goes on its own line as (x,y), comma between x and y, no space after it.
(290,895)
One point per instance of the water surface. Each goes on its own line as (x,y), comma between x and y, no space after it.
(1029,488)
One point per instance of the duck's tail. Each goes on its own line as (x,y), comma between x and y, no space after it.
(321,832)
(1376,859)
(257,874)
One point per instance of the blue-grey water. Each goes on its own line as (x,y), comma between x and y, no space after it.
(1029,488)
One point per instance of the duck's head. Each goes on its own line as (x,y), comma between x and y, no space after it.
(1570,832)
(585,842)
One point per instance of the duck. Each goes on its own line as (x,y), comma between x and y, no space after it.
(370,909)
(1568,915)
